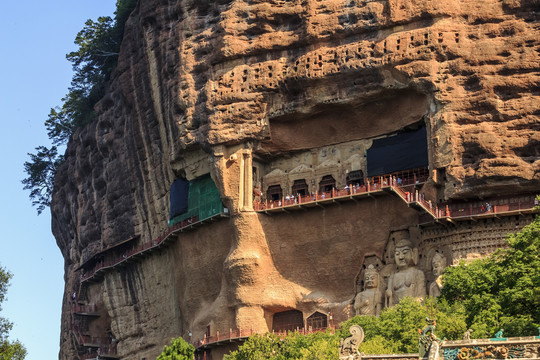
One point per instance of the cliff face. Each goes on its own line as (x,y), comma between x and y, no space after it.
(222,86)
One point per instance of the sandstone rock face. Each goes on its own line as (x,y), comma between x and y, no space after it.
(285,87)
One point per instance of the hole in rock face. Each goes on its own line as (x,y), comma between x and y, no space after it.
(339,122)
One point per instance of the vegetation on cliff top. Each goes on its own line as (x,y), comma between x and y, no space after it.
(9,350)
(93,63)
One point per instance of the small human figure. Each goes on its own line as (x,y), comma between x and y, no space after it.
(399,181)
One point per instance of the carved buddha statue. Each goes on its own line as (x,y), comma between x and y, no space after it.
(407,280)
(438,264)
(370,300)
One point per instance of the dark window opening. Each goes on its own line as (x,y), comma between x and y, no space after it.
(327,183)
(317,321)
(179,197)
(300,187)
(355,177)
(274,193)
(399,152)
(288,321)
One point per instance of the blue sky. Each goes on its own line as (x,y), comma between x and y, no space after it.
(34,76)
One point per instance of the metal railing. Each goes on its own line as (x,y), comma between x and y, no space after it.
(112,261)
(85,309)
(99,345)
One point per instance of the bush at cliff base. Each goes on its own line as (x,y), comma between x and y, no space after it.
(501,291)
(178,349)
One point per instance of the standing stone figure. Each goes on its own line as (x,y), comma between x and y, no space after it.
(438,264)
(407,280)
(370,300)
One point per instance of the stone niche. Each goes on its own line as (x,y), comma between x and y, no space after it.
(316,170)
(311,171)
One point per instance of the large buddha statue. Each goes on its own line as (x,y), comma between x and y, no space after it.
(370,300)
(438,264)
(407,280)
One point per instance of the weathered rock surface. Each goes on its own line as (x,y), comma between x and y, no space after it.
(200,82)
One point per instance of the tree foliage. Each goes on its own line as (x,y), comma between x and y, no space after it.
(502,290)
(9,350)
(317,346)
(396,329)
(178,349)
(93,63)
(41,170)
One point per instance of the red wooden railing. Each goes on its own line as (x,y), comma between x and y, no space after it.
(374,184)
(411,196)
(243,333)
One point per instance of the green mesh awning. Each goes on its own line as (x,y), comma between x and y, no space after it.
(204,200)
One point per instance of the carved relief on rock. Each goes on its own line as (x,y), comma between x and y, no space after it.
(408,279)
(369,301)
(438,263)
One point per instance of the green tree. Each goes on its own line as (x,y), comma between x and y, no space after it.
(41,170)
(93,64)
(396,329)
(317,346)
(178,349)
(9,350)
(502,290)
